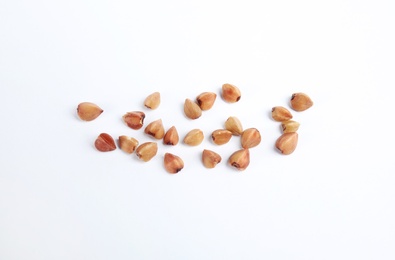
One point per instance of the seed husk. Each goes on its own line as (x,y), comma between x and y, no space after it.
(88,111)
(155,129)
(152,101)
(210,158)
(191,109)
(300,102)
(233,124)
(250,137)
(173,163)
(194,137)
(230,93)
(127,143)
(206,100)
(287,142)
(290,126)
(147,151)
(281,114)
(134,120)
(171,136)
(105,143)
(221,136)
(240,159)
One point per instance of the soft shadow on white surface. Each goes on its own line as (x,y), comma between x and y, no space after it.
(331,199)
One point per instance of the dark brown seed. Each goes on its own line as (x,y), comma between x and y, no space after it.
(171,136)
(105,143)
(134,120)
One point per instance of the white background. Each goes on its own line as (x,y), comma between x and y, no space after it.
(333,198)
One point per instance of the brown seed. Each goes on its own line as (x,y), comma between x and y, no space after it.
(221,136)
(171,137)
(152,101)
(194,137)
(250,138)
(105,143)
(206,100)
(173,163)
(233,124)
(281,114)
(240,159)
(147,151)
(155,129)
(210,159)
(230,93)
(191,109)
(88,111)
(127,144)
(287,142)
(134,120)
(290,126)
(300,101)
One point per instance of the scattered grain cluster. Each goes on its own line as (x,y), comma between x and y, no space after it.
(240,159)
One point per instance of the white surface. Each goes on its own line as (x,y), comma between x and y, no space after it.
(333,198)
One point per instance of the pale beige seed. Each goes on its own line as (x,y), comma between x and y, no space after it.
(173,163)
(240,159)
(300,101)
(210,159)
(155,129)
(206,100)
(221,136)
(171,136)
(251,137)
(105,143)
(134,120)
(88,111)
(233,124)
(152,101)
(127,143)
(290,126)
(147,151)
(194,137)
(287,142)
(191,109)
(230,93)
(281,114)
